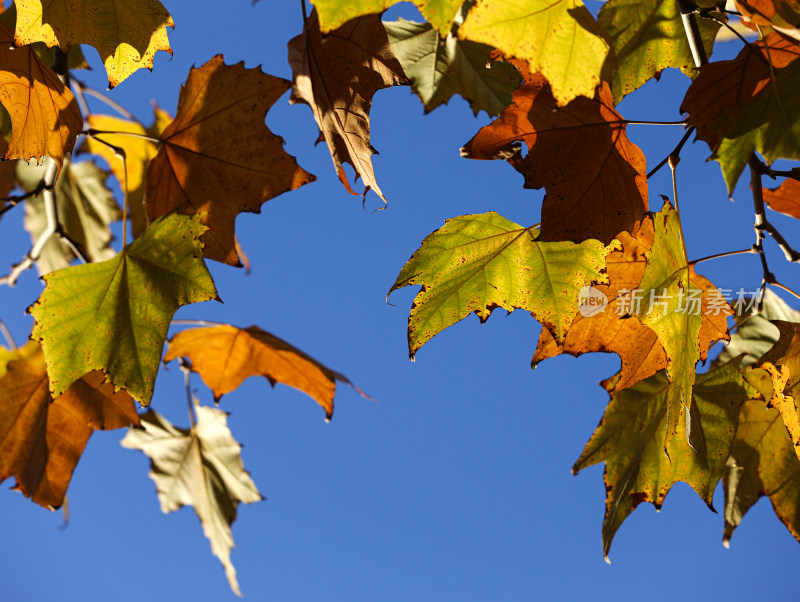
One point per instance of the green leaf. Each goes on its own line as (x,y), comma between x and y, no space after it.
(770,125)
(335,13)
(201,467)
(629,439)
(113,316)
(441,67)
(648,36)
(762,462)
(481,262)
(756,333)
(86,209)
(560,39)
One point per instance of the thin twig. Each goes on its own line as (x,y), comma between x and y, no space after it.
(7,335)
(786,288)
(794,173)
(102,97)
(13,201)
(196,323)
(688,10)
(186,372)
(675,152)
(93,133)
(721,255)
(758,226)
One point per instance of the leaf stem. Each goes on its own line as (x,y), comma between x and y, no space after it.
(93,133)
(7,335)
(186,372)
(196,323)
(786,288)
(675,152)
(721,255)
(84,89)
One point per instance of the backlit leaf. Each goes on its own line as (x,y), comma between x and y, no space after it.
(202,468)
(477,263)
(126,33)
(45,118)
(785,198)
(593,175)
(648,36)
(335,13)
(114,315)
(217,157)
(559,38)
(629,439)
(86,209)
(337,74)
(440,67)
(225,355)
(41,439)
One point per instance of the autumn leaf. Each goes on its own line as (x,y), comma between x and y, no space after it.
(756,333)
(127,34)
(335,13)
(114,315)
(781,15)
(613,328)
(45,118)
(7,172)
(762,462)
(337,75)
(476,263)
(217,157)
(785,198)
(738,107)
(202,468)
(440,67)
(684,309)
(225,355)
(560,39)
(595,178)
(629,439)
(41,439)
(648,36)
(85,207)
(138,153)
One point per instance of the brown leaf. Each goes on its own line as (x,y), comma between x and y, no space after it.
(725,84)
(7,172)
(41,439)
(785,198)
(615,329)
(45,118)
(224,356)
(595,178)
(337,75)
(217,157)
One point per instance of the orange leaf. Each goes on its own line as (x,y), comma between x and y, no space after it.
(45,118)
(785,198)
(595,178)
(7,172)
(217,156)
(337,75)
(41,439)
(725,84)
(224,356)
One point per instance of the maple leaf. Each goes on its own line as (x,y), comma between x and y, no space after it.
(684,309)
(45,118)
(762,462)
(781,15)
(613,329)
(594,176)
(648,36)
(138,153)
(225,355)
(441,67)
(201,467)
(476,263)
(628,439)
(337,75)
(757,332)
(114,315)
(85,208)
(217,157)
(738,107)
(126,34)
(41,439)
(560,39)
(785,198)
(7,172)
(335,13)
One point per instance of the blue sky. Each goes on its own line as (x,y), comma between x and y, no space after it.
(456,484)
